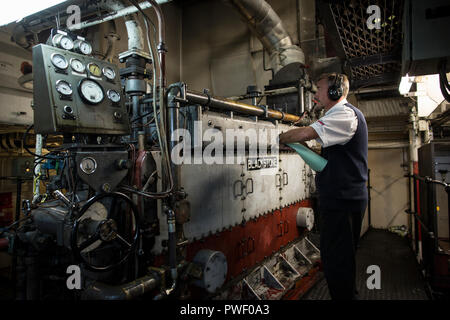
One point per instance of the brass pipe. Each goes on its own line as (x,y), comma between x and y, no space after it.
(226,104)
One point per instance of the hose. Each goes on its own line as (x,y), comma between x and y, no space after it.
(445,86)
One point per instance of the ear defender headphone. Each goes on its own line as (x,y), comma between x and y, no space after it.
(335,90)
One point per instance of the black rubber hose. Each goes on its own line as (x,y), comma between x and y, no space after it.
(445,86)
(28,150)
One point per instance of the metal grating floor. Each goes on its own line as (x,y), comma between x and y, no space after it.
(400,275)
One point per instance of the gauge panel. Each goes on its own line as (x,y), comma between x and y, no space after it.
(76,93)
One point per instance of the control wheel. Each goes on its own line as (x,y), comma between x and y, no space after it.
(106,231)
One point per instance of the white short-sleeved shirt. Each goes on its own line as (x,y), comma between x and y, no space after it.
(337,126)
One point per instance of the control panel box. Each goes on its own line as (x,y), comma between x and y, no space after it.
(76,93)
(23,167)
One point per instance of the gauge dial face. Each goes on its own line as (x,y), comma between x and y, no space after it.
(94,69)
(66,43)
(55,39)
(113,95)
(59,61)
(109,73)
(83,47)
(88,165)
(91,91)
(77,65)
(63,87)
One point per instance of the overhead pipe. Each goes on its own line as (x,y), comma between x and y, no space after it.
(124,11)
(269,29)
(134,29)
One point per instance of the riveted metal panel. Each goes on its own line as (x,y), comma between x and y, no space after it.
(214,201)
(294,178)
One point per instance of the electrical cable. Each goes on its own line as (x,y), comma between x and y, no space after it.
(160,131)
(445,86)
(143,116)
(28,150)
(145,124)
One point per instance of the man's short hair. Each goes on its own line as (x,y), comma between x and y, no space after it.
(331,77)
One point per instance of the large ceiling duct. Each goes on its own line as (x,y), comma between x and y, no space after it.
(267,26)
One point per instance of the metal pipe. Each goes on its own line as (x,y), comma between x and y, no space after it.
(161,45)
(112,37)
(136,115)
(128,291)
(59,195)
(134,29)
(369,90)
(173,113)
(267,26)
(118,14)
(141,142)
(273,92)
(14,263)
(431,206)
(230,105)
(301,100)
(388,145)
(172,243)
(37,170)
(416,210)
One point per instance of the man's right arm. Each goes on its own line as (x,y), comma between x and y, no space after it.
(298,135)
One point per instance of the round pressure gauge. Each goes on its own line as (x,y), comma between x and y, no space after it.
(88,165)
(62,41)
(90,91)
(59,61)
(109,73)
(63,87)
(94,70)
(77,65)
(113,95)
(82,46)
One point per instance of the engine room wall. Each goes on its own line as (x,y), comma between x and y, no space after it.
(220,53)
(15,101)
(389,191)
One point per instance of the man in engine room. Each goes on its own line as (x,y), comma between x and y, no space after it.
(342,132)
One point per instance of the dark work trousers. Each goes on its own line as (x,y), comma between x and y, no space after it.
(340,230)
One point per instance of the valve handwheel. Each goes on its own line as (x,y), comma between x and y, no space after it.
(105,230)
